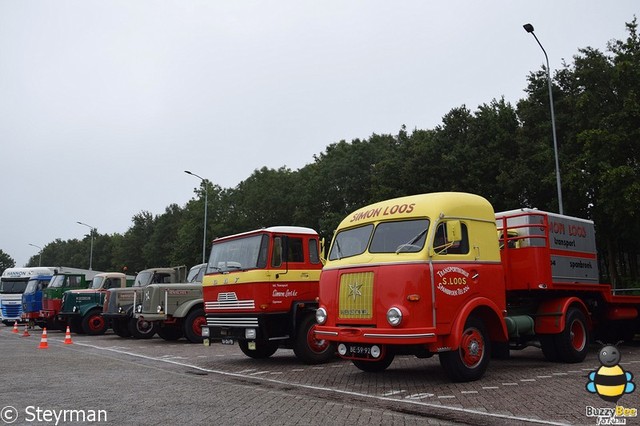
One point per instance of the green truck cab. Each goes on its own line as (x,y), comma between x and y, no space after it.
(176,310)
(52,297)
(119,302)
(82,309)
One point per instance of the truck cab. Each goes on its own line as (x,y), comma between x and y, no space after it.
(260,291)
(119,302)
(82,309)
(176,309)
(32,298)
(13,284)
(52,297)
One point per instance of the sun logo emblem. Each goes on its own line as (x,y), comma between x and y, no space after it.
(610,381)
(354,290)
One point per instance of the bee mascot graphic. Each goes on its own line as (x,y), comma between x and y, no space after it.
(610,381)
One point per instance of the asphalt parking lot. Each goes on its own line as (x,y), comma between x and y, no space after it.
(159,382)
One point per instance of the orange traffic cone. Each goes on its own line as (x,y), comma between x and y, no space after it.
(15,327)
(26,331)
(43,341)
(67,337)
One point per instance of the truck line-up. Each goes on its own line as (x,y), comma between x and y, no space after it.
(431,274)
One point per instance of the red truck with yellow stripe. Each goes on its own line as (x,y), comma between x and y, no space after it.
(260,291)
(444,274)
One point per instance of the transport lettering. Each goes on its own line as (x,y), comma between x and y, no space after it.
(386,211)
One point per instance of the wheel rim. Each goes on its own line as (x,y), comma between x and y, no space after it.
(577,334)
(316,345)
(143,326)
(96,323)
(472,348)
(197,324)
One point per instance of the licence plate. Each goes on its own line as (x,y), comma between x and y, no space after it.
(360,351)
(227,341)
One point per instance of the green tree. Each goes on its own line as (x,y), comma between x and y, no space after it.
(6,261)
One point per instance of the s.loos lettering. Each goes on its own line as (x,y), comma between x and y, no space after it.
(383,211)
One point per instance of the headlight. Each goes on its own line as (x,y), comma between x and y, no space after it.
(394,316)
(375,351)
(75,309)
(139,308)
(321,316)
(250,333)
(205,331)
(120,310)
(159,309)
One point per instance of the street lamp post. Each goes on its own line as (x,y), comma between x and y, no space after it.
(529,28)
(39,261)
(91,252)
(204,236)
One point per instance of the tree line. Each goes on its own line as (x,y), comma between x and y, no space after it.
(501,151)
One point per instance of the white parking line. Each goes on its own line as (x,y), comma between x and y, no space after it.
(334,391)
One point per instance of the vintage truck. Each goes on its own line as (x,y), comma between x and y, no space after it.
(119,302)
(82,309)
(176,309)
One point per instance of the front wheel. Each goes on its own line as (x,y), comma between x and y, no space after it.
(572,342)
(262,350)
(93,323)
(141,328)
(307,347)
(193,325)
(471,359)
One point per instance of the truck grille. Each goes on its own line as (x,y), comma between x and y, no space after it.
(11,311)
(229,301)
(232,322)
(356,296)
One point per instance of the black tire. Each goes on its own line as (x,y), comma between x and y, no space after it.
(375,366)
(573,342)
(121,328)
(142,329)
(193,323)
(548,346)
(307,347)
(470,361)
(169,332)
(263,349)
(93,323)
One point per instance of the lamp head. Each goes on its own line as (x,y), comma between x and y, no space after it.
(528,28)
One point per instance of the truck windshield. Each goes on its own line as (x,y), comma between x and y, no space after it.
(97,283)
(239,254)
(143,279)
(57,281)
(12,286)
(406,236)
(36,284)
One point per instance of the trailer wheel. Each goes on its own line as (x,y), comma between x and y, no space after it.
(93,323)
(169,332)
(193,325)
(471,359)
(263,349)
(375,366)
(307,347)
(572,342)
(120,328)
(141,328)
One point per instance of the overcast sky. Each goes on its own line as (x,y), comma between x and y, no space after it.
(104,104)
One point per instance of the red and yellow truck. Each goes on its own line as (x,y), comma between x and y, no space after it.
(443,274)
(260,290)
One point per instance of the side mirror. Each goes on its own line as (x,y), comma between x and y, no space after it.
(454,231)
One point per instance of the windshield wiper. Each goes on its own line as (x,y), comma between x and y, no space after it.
(411,243)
